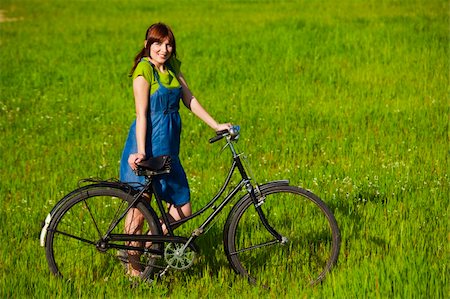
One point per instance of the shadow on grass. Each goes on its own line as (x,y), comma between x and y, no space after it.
(351,216)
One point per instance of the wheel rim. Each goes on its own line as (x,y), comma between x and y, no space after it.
(76,248)
(309,253)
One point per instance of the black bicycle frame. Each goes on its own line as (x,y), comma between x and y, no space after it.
(170,237)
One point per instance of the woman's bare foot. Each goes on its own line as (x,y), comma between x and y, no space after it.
(134,265)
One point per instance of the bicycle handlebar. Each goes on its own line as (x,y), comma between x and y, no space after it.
(233,132)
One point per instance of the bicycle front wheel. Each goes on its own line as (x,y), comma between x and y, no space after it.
(77,246)
(307,225)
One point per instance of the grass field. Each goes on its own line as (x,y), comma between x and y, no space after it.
(349,99)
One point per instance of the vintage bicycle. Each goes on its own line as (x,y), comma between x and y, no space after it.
(273,228)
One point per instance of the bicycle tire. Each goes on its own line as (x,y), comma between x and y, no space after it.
(71,246)
(299,215)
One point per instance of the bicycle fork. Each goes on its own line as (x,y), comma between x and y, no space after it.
(258,200)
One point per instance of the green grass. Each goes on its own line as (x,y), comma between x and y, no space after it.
(346,98)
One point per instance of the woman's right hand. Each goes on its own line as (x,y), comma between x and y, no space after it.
(135,158)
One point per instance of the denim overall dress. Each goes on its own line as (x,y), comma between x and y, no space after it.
(163,138)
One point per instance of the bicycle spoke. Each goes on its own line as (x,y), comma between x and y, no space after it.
(309,253)
(255,247)
(73,237)
(77,242)
(119,210)
(92,217)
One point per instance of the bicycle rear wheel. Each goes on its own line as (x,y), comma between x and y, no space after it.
(313,238)
(75,243)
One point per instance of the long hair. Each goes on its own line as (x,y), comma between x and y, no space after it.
(157,32)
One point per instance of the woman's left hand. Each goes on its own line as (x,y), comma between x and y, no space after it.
(221,127)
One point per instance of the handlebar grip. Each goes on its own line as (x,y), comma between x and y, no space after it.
(216,138)
(220,135)
(222,132)
(233,132)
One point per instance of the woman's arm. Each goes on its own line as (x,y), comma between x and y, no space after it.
(141,89)
(194,105)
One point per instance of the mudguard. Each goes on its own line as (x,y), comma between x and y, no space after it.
(258,189)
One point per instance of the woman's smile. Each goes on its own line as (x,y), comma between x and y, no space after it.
(160,52)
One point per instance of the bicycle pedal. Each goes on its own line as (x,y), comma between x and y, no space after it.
(163,272)
(149,280)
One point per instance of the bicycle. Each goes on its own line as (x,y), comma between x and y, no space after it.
(273,227)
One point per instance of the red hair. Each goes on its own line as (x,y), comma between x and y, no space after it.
(155,33)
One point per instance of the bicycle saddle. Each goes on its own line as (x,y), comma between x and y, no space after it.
(154,166)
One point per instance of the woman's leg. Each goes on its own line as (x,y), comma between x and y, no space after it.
(176,213)
(180,212)
(133,225)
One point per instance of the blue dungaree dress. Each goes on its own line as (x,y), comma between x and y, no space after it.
(163,138)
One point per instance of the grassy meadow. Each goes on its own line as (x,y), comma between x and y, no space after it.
(349,99)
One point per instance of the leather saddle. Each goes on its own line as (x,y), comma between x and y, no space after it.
(154,166)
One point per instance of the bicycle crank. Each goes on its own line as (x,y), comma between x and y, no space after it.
(178,258)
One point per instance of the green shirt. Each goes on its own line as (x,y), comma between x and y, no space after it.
(167,79)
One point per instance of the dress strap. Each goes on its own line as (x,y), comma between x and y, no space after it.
(155,73)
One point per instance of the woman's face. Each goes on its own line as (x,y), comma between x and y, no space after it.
(160,52)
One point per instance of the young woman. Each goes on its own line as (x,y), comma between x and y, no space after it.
(158,86)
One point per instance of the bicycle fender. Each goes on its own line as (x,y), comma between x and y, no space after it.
(55,208)
(81,189)
(273,183)
(43,234)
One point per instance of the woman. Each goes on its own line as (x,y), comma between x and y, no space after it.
(158,86)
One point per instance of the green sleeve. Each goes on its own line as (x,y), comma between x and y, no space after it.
(145,70)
